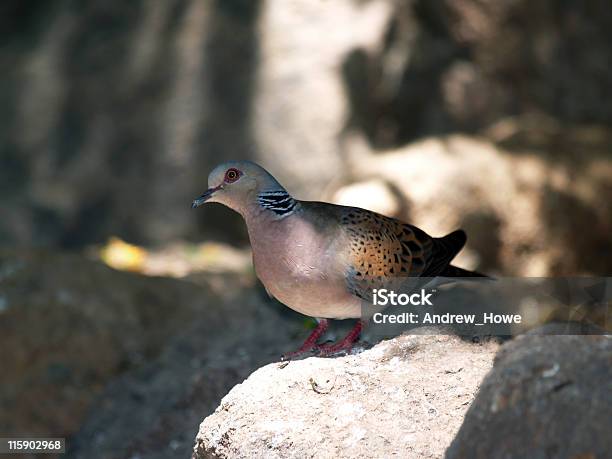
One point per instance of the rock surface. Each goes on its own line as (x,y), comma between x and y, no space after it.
(547,396)
(69,325)
(405,397)
(154,411)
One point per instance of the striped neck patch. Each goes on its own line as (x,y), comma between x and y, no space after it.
(279,202)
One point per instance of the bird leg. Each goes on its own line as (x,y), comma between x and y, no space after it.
(311,341)
(345,344)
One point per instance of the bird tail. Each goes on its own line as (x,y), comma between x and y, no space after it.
(452,243)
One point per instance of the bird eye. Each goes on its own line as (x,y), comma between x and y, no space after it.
(231,175)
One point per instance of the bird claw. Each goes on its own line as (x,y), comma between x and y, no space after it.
(328,349)
(334,349)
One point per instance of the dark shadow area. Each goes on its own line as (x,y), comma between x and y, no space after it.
(231,56)
(581,229)
(114,114)
(395,96)
(461,66)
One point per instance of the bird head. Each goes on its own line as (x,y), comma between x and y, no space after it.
(236,184)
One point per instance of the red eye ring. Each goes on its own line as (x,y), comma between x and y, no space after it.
(231,175)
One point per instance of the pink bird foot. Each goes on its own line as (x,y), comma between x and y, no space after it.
(311,341)
(346,344)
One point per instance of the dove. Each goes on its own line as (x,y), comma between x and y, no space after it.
(316,257)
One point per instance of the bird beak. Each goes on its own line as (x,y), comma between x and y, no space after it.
(205,197)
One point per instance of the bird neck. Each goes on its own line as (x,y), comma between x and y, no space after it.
(278,202)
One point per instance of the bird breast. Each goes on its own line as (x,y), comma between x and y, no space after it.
(299,265)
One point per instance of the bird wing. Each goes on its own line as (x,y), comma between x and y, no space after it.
(384,248)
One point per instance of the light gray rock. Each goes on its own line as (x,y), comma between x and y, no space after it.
(406,397)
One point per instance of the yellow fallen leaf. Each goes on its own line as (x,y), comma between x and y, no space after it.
(119,254)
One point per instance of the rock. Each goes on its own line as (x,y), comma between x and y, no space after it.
(406,397)
(374,195)
(154,411)
(546,396)
(69,325)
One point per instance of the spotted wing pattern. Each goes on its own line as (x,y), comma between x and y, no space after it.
(383,249)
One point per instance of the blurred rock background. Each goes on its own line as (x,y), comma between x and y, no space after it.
(491,115)
(113,113)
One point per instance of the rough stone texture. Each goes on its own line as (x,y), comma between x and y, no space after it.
(547,396)
(154,411)
(404,397)
(69,325)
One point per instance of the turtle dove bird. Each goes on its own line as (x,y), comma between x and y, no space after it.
(311,256)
